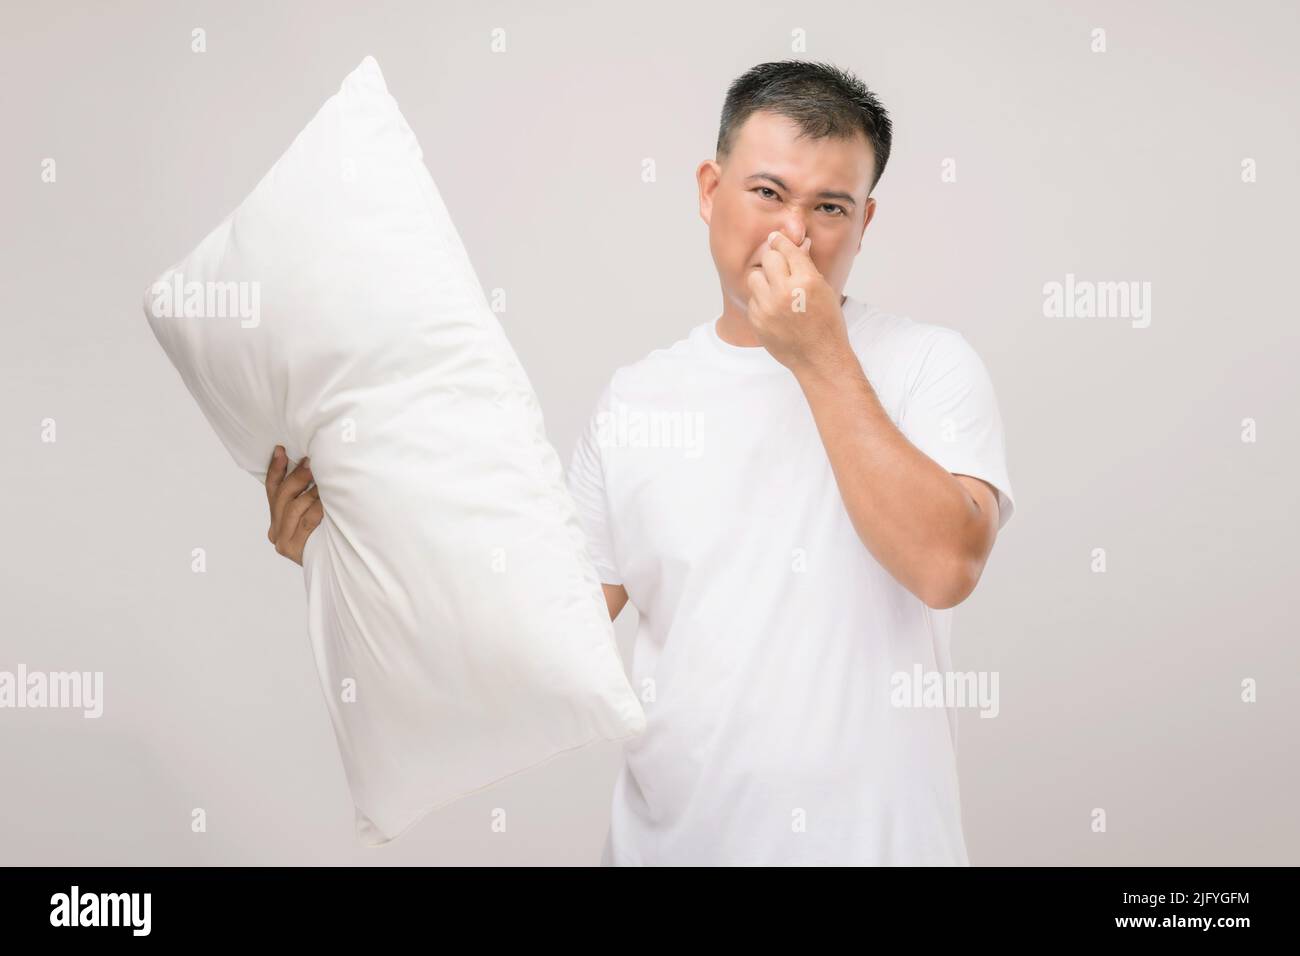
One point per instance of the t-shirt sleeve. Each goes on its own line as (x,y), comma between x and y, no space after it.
(951,413)
(586,482)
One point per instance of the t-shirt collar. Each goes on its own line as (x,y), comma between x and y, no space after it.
(755,358)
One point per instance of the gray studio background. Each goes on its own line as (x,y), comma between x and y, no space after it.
(1119,690)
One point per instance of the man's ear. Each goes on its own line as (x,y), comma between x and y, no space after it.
(708,175)
(866,219)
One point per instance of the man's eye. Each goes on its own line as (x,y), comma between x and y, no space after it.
(764,189)
(842,210)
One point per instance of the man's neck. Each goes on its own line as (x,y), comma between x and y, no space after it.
(733,326)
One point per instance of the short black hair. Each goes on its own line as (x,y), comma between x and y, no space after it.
(823,99)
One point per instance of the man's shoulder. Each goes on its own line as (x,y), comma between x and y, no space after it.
(666,364)
(902,336)
(893,347)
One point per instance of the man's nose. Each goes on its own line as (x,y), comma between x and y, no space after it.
(794,229)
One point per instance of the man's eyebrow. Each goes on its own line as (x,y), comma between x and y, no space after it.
(824,194)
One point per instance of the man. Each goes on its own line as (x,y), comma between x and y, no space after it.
(793,497)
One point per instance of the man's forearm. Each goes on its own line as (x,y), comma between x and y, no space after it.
(915,518)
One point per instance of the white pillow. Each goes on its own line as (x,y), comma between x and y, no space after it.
(449,589)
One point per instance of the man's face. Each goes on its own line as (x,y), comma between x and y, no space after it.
(775,181)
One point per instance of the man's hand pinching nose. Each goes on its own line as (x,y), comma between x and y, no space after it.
(793,309)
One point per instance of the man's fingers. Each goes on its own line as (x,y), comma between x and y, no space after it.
(275,471)
(295,509)
(311,518)
(288,515)
(307,523)
(280,513)
(798,259)
(775,263)
(293,485)
(284,523)
(758,285)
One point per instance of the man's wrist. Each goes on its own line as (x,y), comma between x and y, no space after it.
(833,368)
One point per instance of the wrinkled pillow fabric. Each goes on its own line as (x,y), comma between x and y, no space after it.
(458,625)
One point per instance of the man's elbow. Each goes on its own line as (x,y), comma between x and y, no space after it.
(952,582)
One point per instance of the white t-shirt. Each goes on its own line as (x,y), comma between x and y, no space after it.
(768,633)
